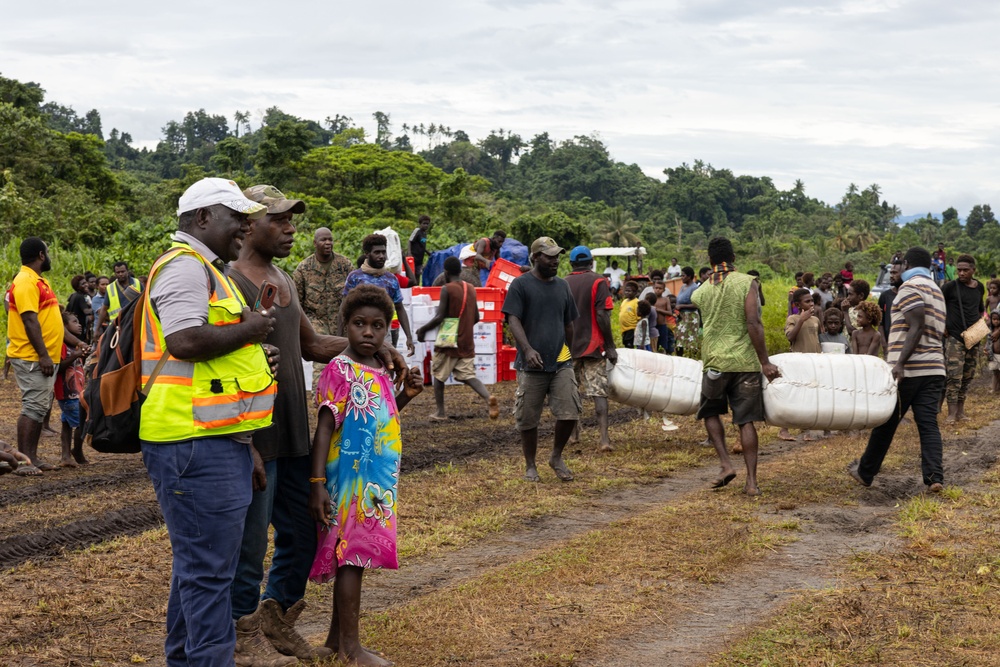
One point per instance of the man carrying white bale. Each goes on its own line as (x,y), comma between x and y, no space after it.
(916,355)
(734,355)
(593,345)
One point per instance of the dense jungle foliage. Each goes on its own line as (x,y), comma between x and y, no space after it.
(97,198)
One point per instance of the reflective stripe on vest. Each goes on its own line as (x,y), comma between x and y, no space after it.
(115,299)
(227,395)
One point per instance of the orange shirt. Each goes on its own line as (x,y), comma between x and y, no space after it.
(31,293)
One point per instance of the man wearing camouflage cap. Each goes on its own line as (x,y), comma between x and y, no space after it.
(265,625)
(540,311)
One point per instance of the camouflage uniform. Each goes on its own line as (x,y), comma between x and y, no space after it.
(320,287)
(960,365)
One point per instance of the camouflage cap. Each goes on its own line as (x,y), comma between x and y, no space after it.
(274,199)
(546,245)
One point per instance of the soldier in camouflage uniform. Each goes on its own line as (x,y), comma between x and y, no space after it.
(964,300)
(319,279)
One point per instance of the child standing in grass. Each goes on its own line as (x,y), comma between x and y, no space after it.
(993,349)
(802,331)
(992,296)
(641,338)
(627,316)
(355,466)
(67,389)
(833,325)
(654,332)
(867,339)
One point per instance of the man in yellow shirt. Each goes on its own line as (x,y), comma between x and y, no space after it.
(35,332)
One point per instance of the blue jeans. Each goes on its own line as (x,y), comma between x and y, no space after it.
(285,505)
(204,488)
(923,396)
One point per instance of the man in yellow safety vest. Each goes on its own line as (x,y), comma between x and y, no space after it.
(214,389)
(121,292)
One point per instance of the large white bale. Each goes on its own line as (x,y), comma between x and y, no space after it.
(830,391)
(393,249)
(656,382)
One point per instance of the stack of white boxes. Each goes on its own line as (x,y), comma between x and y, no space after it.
(486,335)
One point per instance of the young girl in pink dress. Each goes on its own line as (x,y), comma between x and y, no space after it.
(355,466)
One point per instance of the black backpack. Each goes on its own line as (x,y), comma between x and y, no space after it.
(114,395)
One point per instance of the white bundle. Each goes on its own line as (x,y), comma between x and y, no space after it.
(393,249)
(830,391)
(656,382)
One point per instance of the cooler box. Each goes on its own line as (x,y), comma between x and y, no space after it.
(505,364)
(433,292)
(833,392)
(656,382)
(486,368)
(490,302)
(502,274)
(488,337)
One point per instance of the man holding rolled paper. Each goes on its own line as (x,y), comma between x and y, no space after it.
(916,332)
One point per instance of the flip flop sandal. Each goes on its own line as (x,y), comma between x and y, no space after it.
(27,471)
(723,481)
(46,467)
(562,472)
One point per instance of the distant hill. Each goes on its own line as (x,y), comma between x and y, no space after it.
(905,219)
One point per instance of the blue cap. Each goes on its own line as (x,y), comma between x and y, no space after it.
(580,253)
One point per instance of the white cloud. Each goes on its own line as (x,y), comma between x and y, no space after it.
(898,92)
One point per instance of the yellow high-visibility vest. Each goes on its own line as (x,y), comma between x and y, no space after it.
(115,298)
(230,394)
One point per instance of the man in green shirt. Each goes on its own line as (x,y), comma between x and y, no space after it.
(734,356)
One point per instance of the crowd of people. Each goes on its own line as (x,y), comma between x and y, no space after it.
(224,426)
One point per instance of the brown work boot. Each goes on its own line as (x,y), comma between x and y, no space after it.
(280,630)
(252,647)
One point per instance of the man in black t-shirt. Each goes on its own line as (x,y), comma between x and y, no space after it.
(540,312)
(418,245)
(886,298)
(963,298)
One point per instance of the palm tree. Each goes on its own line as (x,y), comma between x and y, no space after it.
(842,236)
(618,229)
(865,234)
(241,118)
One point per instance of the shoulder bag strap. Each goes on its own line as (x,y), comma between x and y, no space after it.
(465,296)
(961,308)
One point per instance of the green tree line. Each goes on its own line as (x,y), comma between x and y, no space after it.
(63,177)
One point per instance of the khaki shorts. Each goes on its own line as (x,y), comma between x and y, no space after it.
(534,386)
(36,389)
(460,369)
(592,377)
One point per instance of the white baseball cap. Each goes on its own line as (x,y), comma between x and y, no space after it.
(212,191)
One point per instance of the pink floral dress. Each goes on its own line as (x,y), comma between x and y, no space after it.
(362,469)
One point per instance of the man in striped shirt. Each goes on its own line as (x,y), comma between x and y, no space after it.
(917,358)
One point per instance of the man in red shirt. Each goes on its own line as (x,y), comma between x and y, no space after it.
(593,345)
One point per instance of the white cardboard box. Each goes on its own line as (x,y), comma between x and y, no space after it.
(486,368)
(485,336)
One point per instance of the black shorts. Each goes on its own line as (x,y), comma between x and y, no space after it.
(743,391)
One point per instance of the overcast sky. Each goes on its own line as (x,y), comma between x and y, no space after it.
(899,93)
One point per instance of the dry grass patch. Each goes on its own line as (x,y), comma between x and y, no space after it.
(934,602)
(571,600)
(103,605)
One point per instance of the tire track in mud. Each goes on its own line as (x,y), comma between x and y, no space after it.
(18,547)
(79,534)
(42,490)
(478,441)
